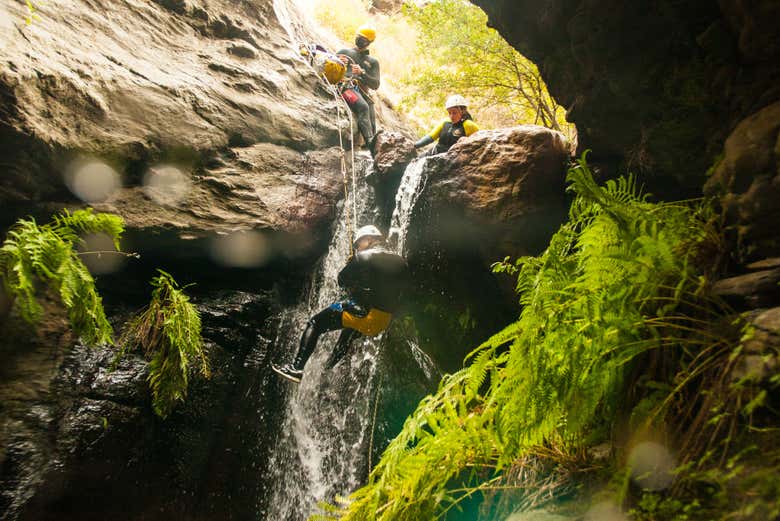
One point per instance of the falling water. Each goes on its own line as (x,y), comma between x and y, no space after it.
(321,450)
(412,184)
(323,444)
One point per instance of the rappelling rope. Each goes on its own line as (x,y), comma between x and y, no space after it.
(373,423)
(340,105)
(342,153)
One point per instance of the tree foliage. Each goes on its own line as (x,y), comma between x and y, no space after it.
(168,329)
(613,285)
(169,332)
(460,54)
(33,254)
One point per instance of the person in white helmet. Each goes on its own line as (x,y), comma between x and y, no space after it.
(449,131)
(376,280)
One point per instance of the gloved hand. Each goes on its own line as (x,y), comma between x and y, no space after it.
(353,308)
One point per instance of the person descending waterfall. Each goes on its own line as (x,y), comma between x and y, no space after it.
(365,73)
(448,132)
(376,280)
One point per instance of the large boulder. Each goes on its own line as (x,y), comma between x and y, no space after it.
(500,192)
(654,87)
(747,182)
(217,90)
(392,153)
(496,193)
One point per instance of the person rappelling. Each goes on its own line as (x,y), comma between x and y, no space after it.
(376,280)
(448,132)
(364,70)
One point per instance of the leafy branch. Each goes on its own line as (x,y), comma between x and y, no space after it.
(612,288)
(34,254)
(168,331)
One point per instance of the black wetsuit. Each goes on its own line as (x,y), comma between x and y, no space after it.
(364,106)
(377,280)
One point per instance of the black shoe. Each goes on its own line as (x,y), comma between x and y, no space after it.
(289,372)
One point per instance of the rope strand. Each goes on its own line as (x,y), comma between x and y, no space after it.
(351,222)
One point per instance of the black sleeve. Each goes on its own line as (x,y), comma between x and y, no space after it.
(370,78)
(348,274)
(425,140)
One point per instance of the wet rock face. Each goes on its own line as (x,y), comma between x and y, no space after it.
(747,182)
(500,192)
(655,87)
(80,441)
(496,193)
(215,88)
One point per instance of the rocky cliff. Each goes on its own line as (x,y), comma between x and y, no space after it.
(200,116)
(198,122)
(655,87)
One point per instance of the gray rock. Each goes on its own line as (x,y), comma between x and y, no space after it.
(753,290)
(500,191)
(216,89)
(662,110)
(766,332)
(242,51)
(496,193)
(747,180)
(755,368)
(392,153)
(764,264)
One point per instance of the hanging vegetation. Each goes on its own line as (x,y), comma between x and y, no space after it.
(169,332)
(34,254)
(616,299)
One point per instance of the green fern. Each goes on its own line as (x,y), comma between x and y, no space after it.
(592,302)
(34,254)
(169,332)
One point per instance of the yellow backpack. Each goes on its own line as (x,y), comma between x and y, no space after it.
(325,63)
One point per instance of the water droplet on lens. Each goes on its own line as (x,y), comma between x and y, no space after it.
(241,249)
(167,185)
(652,466)
(605,511)
(97,253)
(91,181)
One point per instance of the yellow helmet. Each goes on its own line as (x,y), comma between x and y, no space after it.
(367,32)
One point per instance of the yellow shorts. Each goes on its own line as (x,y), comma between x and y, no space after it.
(370,325)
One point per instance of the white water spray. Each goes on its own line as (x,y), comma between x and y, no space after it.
(412,184)
(324,440)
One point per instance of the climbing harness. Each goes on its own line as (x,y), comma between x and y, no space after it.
(327,72)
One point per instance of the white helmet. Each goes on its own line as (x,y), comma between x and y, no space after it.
(456,100)
(367,231)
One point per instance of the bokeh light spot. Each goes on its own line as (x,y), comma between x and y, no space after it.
(605,511)
(241,250)
(98,253)
(92,181)
(167,185)
(652,466)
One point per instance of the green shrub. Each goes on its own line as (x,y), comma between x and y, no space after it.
(613,284)
(33,254)
(169,332)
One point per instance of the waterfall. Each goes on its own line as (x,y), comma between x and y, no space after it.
(323,443)
(412,184)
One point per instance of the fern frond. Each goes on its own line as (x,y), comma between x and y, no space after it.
(592,303)
(169,332)
(34,254)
